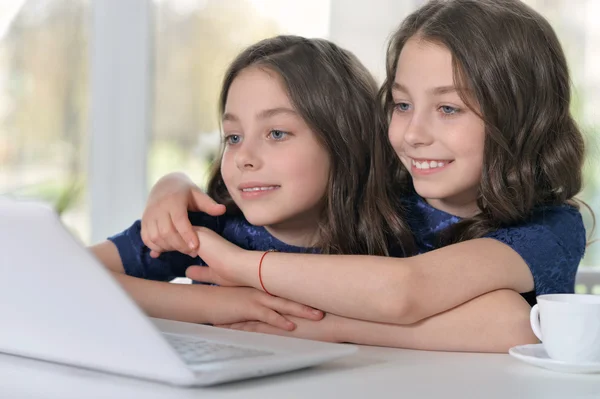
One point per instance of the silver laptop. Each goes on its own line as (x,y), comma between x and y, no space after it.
(57,303)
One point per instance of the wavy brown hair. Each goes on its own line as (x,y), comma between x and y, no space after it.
(337,98)
(510,59)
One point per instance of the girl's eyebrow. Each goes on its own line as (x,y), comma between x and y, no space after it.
(399,87)
(443,90)
(435,90)
(228,116)
(266,114)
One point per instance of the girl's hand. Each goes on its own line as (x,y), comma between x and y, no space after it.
(165,223)
(238,304)
(318,330)
(227,263)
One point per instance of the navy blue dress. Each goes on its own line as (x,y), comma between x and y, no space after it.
(135,255)
(551,242)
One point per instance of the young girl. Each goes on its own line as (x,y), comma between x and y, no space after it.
(477,94)
(297,119)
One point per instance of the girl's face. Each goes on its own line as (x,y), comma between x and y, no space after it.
(274,168)
(437,137)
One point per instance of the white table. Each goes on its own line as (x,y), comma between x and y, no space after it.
(371,373)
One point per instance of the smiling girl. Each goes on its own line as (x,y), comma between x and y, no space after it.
(298,132)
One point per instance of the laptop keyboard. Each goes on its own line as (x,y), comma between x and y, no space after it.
(195,350)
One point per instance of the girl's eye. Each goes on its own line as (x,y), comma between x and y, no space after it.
(233,139)
(448,110)
(402,107)
(278,134)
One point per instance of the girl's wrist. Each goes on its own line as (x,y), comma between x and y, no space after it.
(247,268)
(336,329)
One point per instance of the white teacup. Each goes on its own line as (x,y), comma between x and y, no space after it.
(569,326)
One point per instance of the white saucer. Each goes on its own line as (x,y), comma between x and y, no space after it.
(536,354)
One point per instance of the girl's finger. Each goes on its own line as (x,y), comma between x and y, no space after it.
(285,306)
(147,241)
(203,203)
(184,228)
(201,273)
(155,254)
(157,236)
(274,319)
(171,236)
(152,236)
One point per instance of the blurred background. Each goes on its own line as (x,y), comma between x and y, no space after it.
(98,99)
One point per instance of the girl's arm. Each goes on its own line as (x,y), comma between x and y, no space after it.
(200,303)
(382,289)
(493,322)
(400,291)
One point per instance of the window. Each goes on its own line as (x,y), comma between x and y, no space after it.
(44,105)
(579,34)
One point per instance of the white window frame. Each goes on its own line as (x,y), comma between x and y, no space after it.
(121,71)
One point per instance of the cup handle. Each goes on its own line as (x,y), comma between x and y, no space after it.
(534,319)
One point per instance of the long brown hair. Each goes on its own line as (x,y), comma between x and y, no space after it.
(336,96)
(510,59)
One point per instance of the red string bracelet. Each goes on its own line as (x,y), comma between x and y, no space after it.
(260,270)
